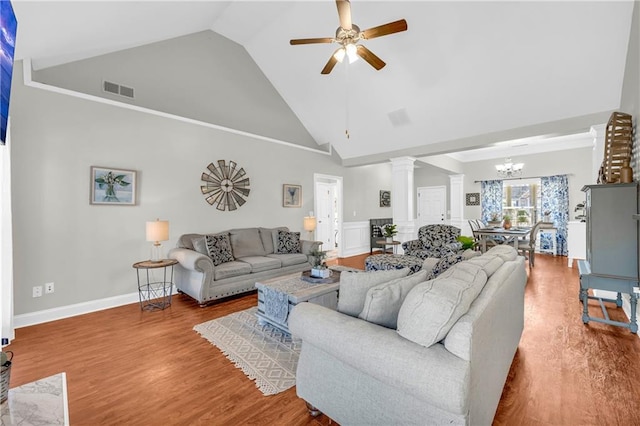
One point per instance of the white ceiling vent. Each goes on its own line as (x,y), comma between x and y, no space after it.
(117,89)
(399,117)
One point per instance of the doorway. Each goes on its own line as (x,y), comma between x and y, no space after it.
(328,207)
(432,205)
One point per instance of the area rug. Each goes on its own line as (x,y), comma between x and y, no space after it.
(264,353)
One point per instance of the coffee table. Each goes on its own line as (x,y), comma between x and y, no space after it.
(278,296)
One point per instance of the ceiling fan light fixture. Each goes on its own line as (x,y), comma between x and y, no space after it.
(352,52)
(339,55)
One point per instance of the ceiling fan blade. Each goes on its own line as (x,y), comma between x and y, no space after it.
(370,57)
(311,40)
(332,63)
(385,29)
(344,13)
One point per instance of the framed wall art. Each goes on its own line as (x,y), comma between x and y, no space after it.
(291,195)
(111,186)
(385,198)
(473,198)
(226,186)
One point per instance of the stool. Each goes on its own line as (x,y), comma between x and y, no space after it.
(379,262)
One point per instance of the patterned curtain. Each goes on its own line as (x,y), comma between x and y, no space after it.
(555,200)
(491,198)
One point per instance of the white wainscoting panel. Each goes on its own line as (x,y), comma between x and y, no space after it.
(355,238)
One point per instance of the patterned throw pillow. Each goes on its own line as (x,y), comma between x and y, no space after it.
(219,248)
(288,242)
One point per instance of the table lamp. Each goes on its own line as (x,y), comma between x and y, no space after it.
(310,225)
(157,231)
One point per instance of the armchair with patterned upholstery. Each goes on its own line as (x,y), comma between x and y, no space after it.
(434,241)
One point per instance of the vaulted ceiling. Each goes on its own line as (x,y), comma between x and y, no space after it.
(464,74)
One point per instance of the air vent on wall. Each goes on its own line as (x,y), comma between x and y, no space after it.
(117,89)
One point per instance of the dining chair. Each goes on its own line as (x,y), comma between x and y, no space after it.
(477,224)
(528,246)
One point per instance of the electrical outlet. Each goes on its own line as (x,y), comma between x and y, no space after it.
(37,291)
(48,288)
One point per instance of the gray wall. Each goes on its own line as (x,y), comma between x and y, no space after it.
(575,162)
(364,185)
(203,76)
(88,250)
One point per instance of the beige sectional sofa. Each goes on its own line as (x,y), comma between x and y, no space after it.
(401,350)
(206,275)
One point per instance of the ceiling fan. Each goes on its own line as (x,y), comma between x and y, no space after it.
(348,35)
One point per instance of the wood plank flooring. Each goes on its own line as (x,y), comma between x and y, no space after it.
(127,367)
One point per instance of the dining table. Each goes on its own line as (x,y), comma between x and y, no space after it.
(511,234)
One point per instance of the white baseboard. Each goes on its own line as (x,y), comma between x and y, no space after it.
(39,317)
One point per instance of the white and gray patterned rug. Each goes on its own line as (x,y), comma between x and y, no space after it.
(264,353)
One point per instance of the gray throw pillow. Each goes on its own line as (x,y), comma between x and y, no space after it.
(288,242)
(354,287)
(382,302)
(219,248)
(199,244)
(433,307)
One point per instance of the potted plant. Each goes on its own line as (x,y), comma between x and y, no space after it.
(523,217)
(467,242)
(389,231)
(318,266)
(506,222)
(495,220)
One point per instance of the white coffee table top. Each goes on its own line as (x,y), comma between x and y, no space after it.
(298,289)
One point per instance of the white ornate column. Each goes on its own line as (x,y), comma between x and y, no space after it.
(456,202)
(402,189)
(598,132)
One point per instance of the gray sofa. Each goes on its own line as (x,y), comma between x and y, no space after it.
(447,361)
(253,257)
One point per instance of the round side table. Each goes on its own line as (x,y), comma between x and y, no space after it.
(155,293)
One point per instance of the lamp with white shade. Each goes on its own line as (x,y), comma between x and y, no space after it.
(309,225)
(157,231)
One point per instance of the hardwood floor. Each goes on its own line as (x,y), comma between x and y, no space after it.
(127,367)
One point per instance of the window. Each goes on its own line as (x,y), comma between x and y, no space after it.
(521,201)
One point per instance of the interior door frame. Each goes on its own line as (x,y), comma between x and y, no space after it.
(337,181)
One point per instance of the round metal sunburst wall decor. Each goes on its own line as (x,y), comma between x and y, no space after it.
(226,186)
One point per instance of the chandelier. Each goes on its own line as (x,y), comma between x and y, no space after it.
(508,169)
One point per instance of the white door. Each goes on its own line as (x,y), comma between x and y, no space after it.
(325,196)
(432,205)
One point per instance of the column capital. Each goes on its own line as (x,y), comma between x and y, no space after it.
(402,161)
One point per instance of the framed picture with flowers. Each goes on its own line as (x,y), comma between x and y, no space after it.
(111,186)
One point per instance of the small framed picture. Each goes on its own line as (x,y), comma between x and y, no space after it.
(385,198)
(473,199)
(291,195)
(112,186)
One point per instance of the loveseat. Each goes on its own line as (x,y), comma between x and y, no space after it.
(401,350)
(213,266)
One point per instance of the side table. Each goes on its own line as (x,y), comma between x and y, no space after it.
(386,243)
(155,293)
